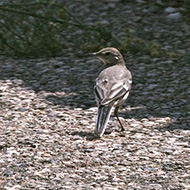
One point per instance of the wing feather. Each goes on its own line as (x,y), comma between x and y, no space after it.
(111,85)
(106,95)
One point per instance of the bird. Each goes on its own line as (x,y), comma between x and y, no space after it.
(112,87)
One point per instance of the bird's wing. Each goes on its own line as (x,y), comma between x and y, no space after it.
(108,90)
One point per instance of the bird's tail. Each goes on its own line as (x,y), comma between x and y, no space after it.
(104,113)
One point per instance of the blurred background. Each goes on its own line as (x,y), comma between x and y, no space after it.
(38,28)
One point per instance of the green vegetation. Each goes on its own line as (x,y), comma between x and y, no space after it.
(187,4)
(44,28)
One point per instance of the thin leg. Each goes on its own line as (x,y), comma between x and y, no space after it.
(116,115)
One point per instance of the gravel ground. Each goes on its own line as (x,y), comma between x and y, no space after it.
(48,110)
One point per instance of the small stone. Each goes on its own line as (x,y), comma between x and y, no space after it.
(170,10)
(174,16)
(148,123)
(138,19)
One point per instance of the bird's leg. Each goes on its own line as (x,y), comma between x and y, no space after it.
(116,115)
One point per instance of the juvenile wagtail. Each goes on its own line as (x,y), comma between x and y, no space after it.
(112,87)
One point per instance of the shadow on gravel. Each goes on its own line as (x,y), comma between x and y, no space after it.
(74,80)
(83,101)
(161,87)
(172,126)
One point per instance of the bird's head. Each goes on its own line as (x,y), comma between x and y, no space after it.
(109,56)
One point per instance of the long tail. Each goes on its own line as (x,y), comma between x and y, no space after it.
(104,113)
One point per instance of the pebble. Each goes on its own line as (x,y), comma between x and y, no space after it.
(170,10)
(174,16)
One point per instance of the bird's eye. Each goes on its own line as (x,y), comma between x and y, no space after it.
(107,53)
